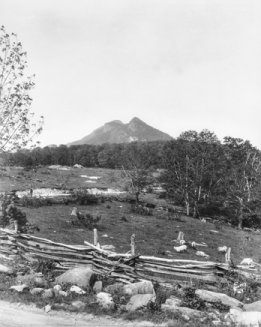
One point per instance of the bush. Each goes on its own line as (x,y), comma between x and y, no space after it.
(84,198)
(139,209)
(10,213)
(27,201)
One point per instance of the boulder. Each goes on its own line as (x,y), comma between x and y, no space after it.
(255,306)
(105,300)
(245,318)
(37,290)
(48,294)
(139,300)
(144,287)
(97,287)
(6,270)
(76,289)
(188,313)
(78,304)
(115,288)
(31,279)
(47,308)
(213,297)
(171,304)
(80,276)
(19,288)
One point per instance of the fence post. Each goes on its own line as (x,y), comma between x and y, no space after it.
(16,226)
(133,244)
(95,237)
(180,236)
(227,256)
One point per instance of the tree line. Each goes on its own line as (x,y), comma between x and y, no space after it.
(197,169)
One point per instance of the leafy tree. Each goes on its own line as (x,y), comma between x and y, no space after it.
(243,177)
(192,167)
(16,129)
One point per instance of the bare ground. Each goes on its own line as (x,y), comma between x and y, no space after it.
(16,314)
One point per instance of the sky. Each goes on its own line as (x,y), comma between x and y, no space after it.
(178,65)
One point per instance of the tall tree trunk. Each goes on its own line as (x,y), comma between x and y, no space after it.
(195,210)
(187,204)
(137,194)
(240,214)
(187,208)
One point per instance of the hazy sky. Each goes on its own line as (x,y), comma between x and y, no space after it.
(177,65)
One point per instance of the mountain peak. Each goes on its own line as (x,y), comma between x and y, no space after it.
(117,132)
(136,120)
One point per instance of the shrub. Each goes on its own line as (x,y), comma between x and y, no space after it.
(10,213)
(82,197)
(27,201)
(141,210)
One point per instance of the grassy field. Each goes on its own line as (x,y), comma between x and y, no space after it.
(154,236)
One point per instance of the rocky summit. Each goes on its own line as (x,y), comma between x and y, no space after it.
(117,132)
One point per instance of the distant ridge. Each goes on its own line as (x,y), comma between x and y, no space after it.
(117,132)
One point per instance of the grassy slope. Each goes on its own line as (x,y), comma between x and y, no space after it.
(152,235)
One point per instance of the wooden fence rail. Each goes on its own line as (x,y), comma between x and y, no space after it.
(122,267)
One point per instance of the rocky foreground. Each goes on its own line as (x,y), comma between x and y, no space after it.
(82,290)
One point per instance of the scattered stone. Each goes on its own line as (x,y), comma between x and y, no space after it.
(105,300)
(144,287)
(97,287)
(57,287)
(187,312)
(48,294)
(77,290)
(37,290)
(19,288)
(117,287)
(31,279)
(6,270)
(47,308)
(139,300)
(209,296)
(62,293)
(78,304)
(80,276)
(171,304)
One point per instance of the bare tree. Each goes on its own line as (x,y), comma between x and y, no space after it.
(16,127)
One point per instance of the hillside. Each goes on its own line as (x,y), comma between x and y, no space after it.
(117,132)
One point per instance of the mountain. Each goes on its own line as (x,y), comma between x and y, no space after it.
(117,132)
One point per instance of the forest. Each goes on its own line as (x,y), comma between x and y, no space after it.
(206,175)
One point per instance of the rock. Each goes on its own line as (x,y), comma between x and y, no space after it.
(31,279)
(171,304)
(144,287)
(115,288)
(57,287)
(97,287)
(80,276)
(78,304)
(76,289)
(246,318)
(47,308)
(62,293)
(19,288)
(48,294)
(187,312)
(37,290)
(255,306)
(6,270)
(213,297)
(139,300)
(105,300)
